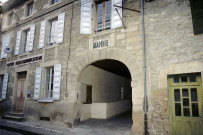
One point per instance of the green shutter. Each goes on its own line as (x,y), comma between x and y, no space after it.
(197,15)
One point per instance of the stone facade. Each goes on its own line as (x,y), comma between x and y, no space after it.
(171,48)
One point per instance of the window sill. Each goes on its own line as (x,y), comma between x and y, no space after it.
(46,101)
(103,33)
(50,47)
(24,54)
(26,17)
(52,5)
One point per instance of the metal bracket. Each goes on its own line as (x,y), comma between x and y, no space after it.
(127,8)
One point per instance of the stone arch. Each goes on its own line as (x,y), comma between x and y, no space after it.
(136,71)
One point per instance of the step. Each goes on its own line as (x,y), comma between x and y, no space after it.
(16,114)
(14,118)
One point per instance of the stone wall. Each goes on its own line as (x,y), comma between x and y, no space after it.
(172,48)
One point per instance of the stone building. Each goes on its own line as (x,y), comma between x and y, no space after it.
(65,61)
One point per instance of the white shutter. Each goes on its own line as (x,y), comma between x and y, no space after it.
(42,34)
(17,49)
(5,84)
(86,14)
(31,38)
(6,42)
(57,81)
(60,29)
(115,19)
(37,83)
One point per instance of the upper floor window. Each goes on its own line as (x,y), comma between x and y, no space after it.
(49,79)
(26,40)
(1,84)
(10,19)
(103,15)
(30,9)
(52,36)
(54,1)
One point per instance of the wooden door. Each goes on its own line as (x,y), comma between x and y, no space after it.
(20,96)
(185,94)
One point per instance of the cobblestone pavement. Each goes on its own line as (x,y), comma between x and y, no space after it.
(120,125)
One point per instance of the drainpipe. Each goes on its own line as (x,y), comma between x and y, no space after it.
(144,67)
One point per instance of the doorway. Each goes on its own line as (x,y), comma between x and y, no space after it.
(20,93)
(106,96)
(185,94)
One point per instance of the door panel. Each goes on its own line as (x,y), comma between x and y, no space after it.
(185,94)
(20,96)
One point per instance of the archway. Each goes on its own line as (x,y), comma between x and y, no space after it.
(135,68)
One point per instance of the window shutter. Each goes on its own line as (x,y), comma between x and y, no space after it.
(6,42)
(116,21)
(42,34)
(61,18)
(37,83)
(86,14)
(197,15)
(18,43)
(57,81)
(31,38)
(5,84)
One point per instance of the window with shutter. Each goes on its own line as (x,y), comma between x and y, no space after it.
(30,8)
(60,29)
(31,35)
(52,36)
(103,15)
(26,42)
(197,15)
(57,82)
(49,80)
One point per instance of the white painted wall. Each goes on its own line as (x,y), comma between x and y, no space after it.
(106,86)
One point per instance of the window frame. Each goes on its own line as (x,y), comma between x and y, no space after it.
(50,92)
(54,2)
(28,5)
(104,28)
(55,19)
(10,18)
(25,41)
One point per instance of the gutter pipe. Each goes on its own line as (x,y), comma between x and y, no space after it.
(144,68)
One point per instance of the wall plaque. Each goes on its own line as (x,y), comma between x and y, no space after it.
(99,44)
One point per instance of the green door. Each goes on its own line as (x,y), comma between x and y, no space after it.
(185,95)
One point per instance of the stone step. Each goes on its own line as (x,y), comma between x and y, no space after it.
(16,114)
(13,117)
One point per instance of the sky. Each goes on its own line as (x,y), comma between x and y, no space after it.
(3,1)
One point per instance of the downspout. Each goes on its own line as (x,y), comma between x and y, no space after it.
(144,68)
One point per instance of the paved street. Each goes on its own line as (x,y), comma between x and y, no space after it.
(120,125)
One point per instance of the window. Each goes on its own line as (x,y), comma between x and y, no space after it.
(26,40)
(52,36)
(197,15)
(103,16)
(1,84)
(10,19)
(29,9)
(49,78)
(54,1)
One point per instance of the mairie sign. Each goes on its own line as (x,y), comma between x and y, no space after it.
(99,44)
